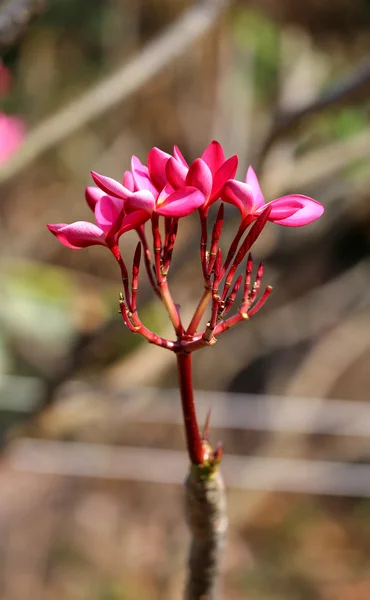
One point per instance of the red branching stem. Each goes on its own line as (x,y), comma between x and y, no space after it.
(135,326)
(199,311)
(193,436)
(135,276)
(216,234)
(164,291)
(215,314)
(147,259)
(229,323)
(234,245)
(169,246)
(171,308)
(157,247)
(197,342)
(257,283)
(252,311)
(251,237)
(167,230)
(203,245)
(231,297)
(248,277)
(124,273)
(125,314)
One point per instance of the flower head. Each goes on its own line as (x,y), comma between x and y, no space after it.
(293,210)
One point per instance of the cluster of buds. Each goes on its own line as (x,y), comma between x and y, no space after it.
(169,188)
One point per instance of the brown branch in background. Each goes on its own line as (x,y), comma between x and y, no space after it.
(15,16)
(119,86)
(352,88)
(206,516)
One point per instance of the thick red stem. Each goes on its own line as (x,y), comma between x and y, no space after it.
(193,437)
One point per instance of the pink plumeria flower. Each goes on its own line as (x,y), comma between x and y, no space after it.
(111,219)
(146,189)
(208,173)
(12,134)
(293,210)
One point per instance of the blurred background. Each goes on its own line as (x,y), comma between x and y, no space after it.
(92,445)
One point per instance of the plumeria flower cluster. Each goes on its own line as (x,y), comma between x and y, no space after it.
(12,129)
(169,188)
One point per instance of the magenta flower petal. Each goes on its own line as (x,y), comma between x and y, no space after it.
(176,173)
(92,195)
(128,181)
(214,156)
(178,155)
(133,220)
(281,209)
(157,160)
(12,134)
(241,195)
(107,211)
(110,186)
(78,235)
(142,200)
(223,174)
(140,174)
(310,211)
(181,202)
(200,176)
(252,180)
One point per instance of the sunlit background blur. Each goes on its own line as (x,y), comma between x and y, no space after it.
(90,490)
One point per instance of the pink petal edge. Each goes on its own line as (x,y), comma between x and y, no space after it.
(78,235)
(110,186)
(252,180)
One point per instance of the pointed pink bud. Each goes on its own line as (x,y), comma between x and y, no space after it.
(110,186)
(78,235)
(241,195)
(226,171)
(176,173)
(200,176)
(252,180)
(181,202)
(310,211)
(157,160)
(214,156)
(92,195)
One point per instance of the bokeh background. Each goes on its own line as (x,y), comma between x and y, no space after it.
(92,444)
